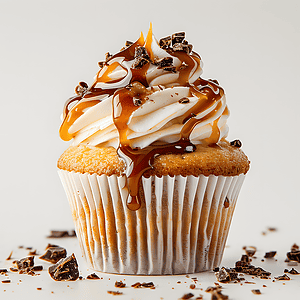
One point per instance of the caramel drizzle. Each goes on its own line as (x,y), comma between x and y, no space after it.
(141,160)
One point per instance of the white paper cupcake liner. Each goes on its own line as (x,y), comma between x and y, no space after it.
(181,227)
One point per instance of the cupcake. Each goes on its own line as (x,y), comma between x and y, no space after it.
(151,180)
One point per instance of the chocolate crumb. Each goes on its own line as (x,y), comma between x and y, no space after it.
(120,284)
(13,269)
(33,252)
(250,250)
(187,296)
(65,269)
(37,268)
(256,292)
(39,288)
(54,254)
(3,271)
(114,293)
(283,277)
(93,276)
(147,284)
(136,285)
(226,275)
(137,101)
(236,143)
(192,286)
(270,254)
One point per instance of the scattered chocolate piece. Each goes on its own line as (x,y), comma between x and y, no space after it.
(187,296)
(33,252)
(256,292)
(210,289)
(147,284)
(236,143)
(39,288)
(36,268)
(165,43)
(181,47)
(6,281)
(294,255)
(24,263)
(9,256)
(114,293)
(54,254)
(3,271)
(65,269)
(226,275)
(270,254)
(93,276)
(136,285)
(250,250)
(272,229)
(294,248)
(292,271)
(192,286)
(226,202)
(61,234)
(164,62)
(283,277)
(13,269)
(120,284)
(178,37)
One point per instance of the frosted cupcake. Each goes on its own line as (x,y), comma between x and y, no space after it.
(151,180)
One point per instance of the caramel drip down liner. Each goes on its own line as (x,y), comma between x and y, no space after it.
(181,227)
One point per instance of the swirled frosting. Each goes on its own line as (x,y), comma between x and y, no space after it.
(148,99)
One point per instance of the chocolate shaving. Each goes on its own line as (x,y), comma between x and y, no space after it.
(54,254)
(120,284)
(9,256)
(178,37)
(187,296)
(93,276)
(164,62)
(283,277)
(6,281)
(256,292)
(236,143)
(114,293)
(165,42)
(61,234)
(65,269)
(270,254)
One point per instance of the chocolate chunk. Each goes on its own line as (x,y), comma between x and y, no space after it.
(226,275)
(120,284)
(236,143)
(114,293)
(3,271)
(36,268)
(141,52)
(93,276)
(139,62)
(187,296)
(270,254)
(256,292)
(147,284)
(24,263)
(181,47)
(136,285)
(164,62)
(65,269)
(165,43)
(54,254)
(50,245)
(283,277)
(294,255)
(61,234)
(178,37)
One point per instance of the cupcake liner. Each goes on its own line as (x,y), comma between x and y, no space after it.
(181,227)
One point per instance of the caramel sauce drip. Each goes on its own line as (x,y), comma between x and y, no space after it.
(139,160)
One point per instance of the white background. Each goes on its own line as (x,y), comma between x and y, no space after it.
(252,48)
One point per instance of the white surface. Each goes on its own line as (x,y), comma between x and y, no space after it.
(47,47)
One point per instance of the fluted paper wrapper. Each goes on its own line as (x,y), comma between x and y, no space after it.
(181,227)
